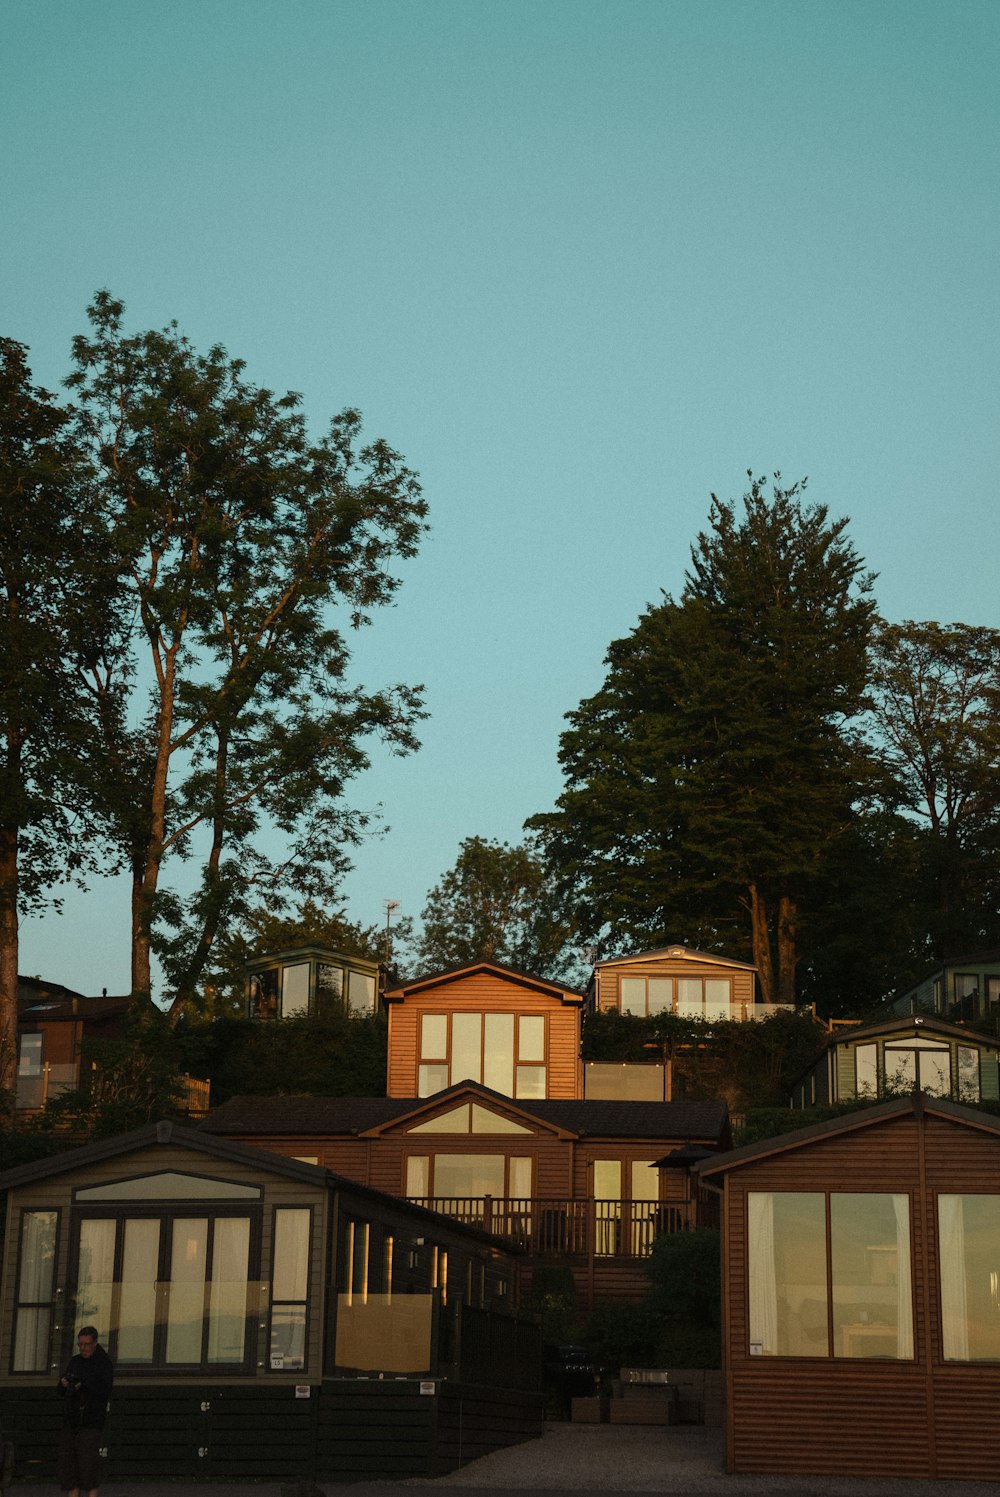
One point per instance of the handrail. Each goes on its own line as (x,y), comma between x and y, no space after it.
(560,1227)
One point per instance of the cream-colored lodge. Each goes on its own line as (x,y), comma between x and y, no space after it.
(676,980)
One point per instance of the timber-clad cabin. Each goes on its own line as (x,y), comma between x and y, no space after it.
(861,1307)
(677,980)
(578,1182)
(507,1030)
(222,1278)
(902,1055)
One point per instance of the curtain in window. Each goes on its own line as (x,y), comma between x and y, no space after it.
(904,1288)
(954,1287)
(762,1273)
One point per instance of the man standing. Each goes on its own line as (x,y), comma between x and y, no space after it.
(86,1388)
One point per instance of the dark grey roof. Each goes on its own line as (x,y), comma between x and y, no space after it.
(174,1134)
(351,1115)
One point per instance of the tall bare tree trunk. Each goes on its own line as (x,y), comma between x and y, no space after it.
(787,949)
(761,937)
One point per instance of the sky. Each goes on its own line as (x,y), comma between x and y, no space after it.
(583,264)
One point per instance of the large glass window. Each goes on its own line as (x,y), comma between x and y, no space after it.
(854,1300)
(644,996)
(33,1315)
(969,1255)
(167,1291)
(866,1070)
(918,1064)
(506,1052)
(294,989)
(290,1287)
(704,997)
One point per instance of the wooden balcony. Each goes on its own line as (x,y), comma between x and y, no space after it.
(583,1229)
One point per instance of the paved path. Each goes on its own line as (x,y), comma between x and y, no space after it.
(682,1461)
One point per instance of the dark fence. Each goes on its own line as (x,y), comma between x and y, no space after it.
(347,1429)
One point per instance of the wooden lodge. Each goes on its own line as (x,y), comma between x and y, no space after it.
(869,1061)
(267,1319)
(676,980)
(583,1183)
(861,1309)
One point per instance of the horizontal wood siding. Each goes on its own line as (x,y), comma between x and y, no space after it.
(484,992)
(842,1417)
(608,984)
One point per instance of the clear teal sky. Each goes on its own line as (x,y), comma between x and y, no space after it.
(582,263)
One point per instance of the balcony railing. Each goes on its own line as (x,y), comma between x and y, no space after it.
(547,1228)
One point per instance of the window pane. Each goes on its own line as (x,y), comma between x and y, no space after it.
(29,1060)
(632,999)
(661,995)
(433,1036)
(31,1340)
(417,1174)
(96,1274)
(870,1272)
(431,1079)
(689,996)
(530,1081)
(227,1305)
(531,1038)
(900,1070)
(295,989)
(717,994)
(969,1255)
(968,1074)
(787,1273)
(288,1337)
(186,1290)
(290,1267)
(361,992)
(137,1306)
(38,1248)
(866,1070)
(519,1183)
(468,1174)
(466,1047)
(935,1073)
(329,983)
(498,1061)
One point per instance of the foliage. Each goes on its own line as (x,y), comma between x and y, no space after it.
(54,579)
(335,1055)
(746,1064)
(620,1335)
(552,1297)
(685,1298)
(935,720)
(130,1080)
(710,777)
(264,931)
(498,904)
(237,538)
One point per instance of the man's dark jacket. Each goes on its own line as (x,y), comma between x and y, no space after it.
(86,1398)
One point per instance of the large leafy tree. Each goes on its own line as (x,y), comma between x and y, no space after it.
(711,776)
(498,903)
(935,719)
(248,551)
(56,608)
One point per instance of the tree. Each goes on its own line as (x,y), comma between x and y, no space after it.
(55,609)
(709,778)
(237,537)
(498,904)
(935,721)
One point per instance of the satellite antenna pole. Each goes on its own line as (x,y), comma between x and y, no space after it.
(391,906)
